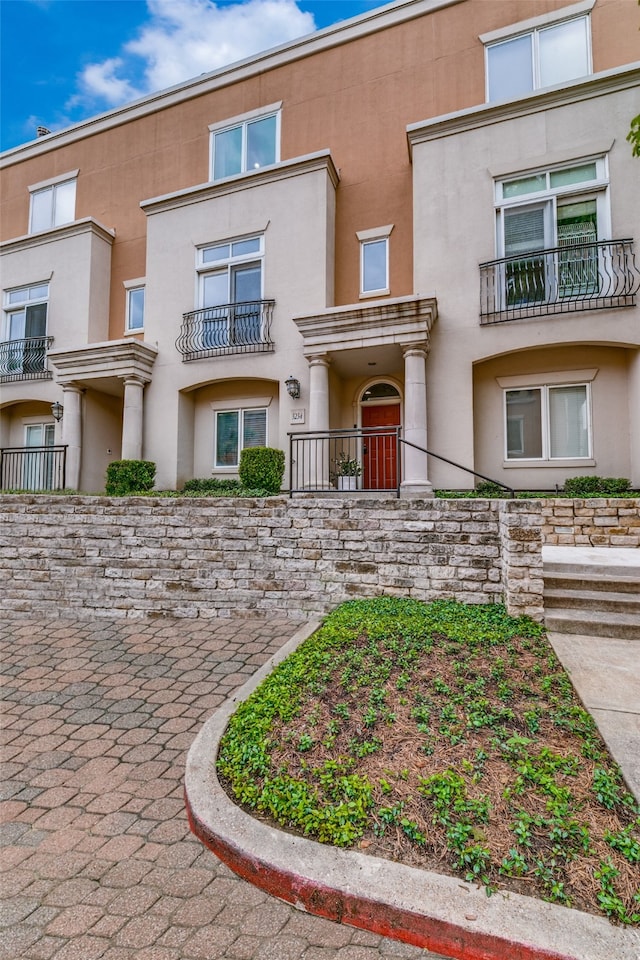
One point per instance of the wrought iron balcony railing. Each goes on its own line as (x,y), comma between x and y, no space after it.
(229,328)
(33,468)
(565,279)
(24,359)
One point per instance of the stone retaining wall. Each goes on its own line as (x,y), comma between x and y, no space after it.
(132,557)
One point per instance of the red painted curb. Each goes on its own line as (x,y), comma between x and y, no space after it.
(376,916)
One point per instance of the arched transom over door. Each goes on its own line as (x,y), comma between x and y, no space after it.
(380,418)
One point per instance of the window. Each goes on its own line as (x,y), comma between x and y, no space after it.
(374,260)
(540,57)
(548,422)
(52,205)
(230,281)
(25,330)
(548,225)
(38,464)
(134,320)
(237,429)
(251,142)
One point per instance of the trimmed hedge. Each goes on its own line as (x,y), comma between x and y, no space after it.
(261,468)
(595,486)
(125,477)
(214,486)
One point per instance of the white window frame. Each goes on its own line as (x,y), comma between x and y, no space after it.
(242,121)
(533,28)
(366,239)
(204,269)
(14,304)
(131,287)
(545,415)
(52,186)
(239,407)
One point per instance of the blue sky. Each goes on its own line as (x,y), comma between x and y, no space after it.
(62,61)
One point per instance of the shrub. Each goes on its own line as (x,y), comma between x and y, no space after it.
(213,486)
(261,468)
(595,486)
(125,477)
(487,488)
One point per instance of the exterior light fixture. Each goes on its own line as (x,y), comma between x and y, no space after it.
(293,387)
(57,410)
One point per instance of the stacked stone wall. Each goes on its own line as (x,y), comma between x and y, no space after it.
(134,557)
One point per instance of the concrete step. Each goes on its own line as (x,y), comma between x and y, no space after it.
(586,599)
(596,623)
(606,573)
(586,581)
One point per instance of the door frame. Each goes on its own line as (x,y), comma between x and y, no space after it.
(381,402)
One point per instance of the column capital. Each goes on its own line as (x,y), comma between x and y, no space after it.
(71,387)
(319,360)
(416,350)
(132,380)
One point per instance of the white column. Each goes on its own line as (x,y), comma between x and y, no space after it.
(132,419)
(415,480)
(72,433)
(317,465)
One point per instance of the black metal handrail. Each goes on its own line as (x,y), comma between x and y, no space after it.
(321,461)
(225,329)
(564,279)
(33,468)
(24,359)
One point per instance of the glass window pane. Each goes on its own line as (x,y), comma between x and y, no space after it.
(41,210)
(562,178)
(374,265)
(227,438)
(243,247)
(247,283)
(568,421)
(510,67)
(524,424)
(17,325)
(516,188)
(227,153)
(38,292)
(254,433)
(64,199)
(261,143)
(213,254)
(18,296)
(523,230)
(136,309)
(563,51)
(215,289)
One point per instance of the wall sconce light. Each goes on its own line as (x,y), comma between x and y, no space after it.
(293,387)
(57,410)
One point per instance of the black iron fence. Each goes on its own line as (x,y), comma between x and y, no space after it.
(33,468)
(24,359)
(230,328)
(565,279)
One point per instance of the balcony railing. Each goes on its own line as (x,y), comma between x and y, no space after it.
(565,279)
(33,468)
(24,359)
(230,328)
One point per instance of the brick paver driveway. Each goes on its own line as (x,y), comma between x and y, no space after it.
(98,861)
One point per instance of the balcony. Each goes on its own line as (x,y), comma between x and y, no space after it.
(566,279)
(226,329)
(33,468)
(25,359)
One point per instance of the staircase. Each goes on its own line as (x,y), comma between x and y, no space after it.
(592,591)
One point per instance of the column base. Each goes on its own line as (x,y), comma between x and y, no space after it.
(416,489)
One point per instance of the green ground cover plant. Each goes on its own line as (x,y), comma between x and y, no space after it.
(447,737)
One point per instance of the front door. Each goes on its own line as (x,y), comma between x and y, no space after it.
(380,451)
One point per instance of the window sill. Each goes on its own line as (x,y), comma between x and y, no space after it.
(527,464)
(372,294)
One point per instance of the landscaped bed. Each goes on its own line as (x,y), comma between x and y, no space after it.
(446,737)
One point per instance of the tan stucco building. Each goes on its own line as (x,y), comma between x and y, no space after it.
(422,218)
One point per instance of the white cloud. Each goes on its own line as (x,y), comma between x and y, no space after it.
(184,38)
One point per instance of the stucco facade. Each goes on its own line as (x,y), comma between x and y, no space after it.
(351,256)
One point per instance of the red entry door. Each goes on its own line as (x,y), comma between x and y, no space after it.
(380,460)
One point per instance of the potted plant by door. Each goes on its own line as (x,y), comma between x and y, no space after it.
(347,471)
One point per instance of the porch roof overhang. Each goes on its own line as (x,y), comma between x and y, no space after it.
(105,365)
(401,322)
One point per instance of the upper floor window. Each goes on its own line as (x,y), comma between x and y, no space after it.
(231,293)
(134,317)
(53,203)
(247,143)
(538,57)
(26,312)
(374,260)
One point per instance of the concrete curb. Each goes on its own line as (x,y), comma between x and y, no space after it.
(441,913)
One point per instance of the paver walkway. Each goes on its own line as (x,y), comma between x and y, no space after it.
(98,861)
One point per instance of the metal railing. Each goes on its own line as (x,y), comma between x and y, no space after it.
(564,279)
(366,459)
(33,468)
(229,328)
(24,359)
